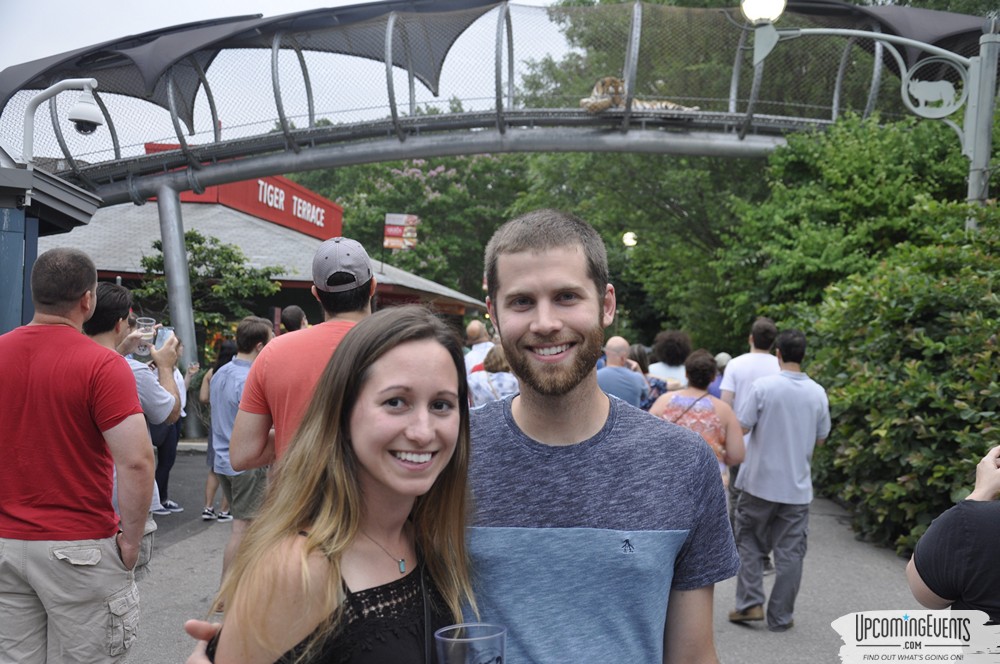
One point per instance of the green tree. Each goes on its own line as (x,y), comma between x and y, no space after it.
(223,285)
(679,209)
(460,202)
(908,352)
(839,201)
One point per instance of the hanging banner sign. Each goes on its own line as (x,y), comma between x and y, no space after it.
(401,220)
(398,243)
(400,231)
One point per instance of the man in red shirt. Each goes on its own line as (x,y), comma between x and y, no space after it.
(70,417)
(283,376)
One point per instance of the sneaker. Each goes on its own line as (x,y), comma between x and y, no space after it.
(748,614)
(160,511)
(208,514)
(768,566)
(781,628)
(225,516)
(172,506)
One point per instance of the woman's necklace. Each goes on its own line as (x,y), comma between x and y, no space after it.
(399,561)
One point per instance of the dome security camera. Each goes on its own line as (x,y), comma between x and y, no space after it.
(85,115)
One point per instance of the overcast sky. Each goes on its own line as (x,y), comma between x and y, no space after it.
(35,29)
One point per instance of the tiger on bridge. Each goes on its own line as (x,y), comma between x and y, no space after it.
(609,92)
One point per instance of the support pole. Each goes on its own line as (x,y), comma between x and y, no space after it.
(979,117)
(12,268)
(175,268)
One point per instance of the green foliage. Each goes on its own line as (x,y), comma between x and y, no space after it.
(679,209)
(460,202)
(908,353)
(222,284)
(839,201)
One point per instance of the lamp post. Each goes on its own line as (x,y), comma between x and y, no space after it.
(935,99)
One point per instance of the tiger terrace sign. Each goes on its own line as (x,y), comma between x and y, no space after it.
(273,198)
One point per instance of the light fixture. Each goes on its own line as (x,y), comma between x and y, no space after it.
(762,11)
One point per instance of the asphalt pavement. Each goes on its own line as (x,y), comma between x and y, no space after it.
(842,575)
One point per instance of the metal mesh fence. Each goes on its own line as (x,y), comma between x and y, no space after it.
(546,58)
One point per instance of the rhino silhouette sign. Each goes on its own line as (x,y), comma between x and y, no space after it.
(934,98)
(932,92)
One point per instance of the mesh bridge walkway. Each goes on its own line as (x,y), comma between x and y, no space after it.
(250,96)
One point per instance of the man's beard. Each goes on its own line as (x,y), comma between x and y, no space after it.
(556,380)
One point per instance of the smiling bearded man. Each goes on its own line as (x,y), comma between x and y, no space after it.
(554,380)
(599,530)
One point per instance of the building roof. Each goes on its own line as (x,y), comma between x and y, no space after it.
(118,237)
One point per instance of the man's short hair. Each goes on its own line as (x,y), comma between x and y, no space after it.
(672,347)
(356,299)
(59,279)
(792,344)
(113,304)
(292,317)
(763,331)
(547,229)
(251,331)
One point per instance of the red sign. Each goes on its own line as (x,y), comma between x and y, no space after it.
(400,231)
(275,199)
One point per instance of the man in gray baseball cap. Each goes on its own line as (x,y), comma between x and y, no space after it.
(340,265)
(284,374)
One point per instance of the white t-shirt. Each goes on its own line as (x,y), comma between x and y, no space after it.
(668,372)
(476,355)
(181,389)
(742,371)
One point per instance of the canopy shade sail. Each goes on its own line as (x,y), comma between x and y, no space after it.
(146,66)
(954,32)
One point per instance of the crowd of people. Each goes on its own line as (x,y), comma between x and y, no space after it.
(386,477)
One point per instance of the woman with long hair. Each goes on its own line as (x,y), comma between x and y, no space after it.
(637,353)
(358,553)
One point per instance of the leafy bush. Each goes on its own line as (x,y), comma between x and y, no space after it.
(908,354)
(223,286)
(839,201)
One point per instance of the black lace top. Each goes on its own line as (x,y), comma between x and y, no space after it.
(383,624)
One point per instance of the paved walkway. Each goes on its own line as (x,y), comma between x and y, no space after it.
(842,575)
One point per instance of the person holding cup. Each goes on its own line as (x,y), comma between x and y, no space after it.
(359,548)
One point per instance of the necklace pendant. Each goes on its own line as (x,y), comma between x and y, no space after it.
(402,565)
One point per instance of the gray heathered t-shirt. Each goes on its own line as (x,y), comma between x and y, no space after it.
(576,549)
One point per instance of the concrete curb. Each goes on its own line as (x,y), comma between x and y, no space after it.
(193,445)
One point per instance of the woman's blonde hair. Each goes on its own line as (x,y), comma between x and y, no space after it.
(314,489)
